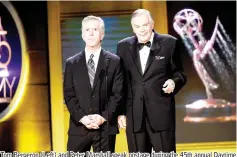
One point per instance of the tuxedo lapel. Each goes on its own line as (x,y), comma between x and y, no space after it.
(83,70)
(155,48)
(135,55)
(99,68)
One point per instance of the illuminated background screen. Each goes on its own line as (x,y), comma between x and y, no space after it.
(15,59)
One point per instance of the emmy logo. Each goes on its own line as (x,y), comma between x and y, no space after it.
(6,86)
(215,63)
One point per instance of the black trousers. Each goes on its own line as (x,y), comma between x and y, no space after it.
(93,138)
(147,138)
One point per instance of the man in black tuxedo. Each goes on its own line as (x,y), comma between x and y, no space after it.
(85,92)
(153,75)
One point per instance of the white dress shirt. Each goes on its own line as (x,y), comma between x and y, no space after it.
(95,58)
(144,53)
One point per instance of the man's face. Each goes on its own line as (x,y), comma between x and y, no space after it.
(92,34)
(142,27)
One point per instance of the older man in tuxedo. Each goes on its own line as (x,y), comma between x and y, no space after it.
(153,75)
(92,110)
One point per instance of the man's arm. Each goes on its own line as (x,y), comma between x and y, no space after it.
(116,96)
(178,75)
(70,96)
(127,98)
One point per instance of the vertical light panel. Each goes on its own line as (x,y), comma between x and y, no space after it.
(56,88)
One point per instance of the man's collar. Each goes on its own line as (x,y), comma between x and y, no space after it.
(95,53)
(152,37)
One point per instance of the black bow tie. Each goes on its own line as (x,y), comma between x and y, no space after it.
(141,45)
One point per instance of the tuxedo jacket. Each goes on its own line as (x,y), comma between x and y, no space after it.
(82,99)
(162,64)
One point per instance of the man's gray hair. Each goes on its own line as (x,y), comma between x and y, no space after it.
(139,12)
(91,17)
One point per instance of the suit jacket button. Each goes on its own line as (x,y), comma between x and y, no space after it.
(92,96)
(143,84)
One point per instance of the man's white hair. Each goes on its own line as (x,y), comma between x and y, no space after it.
(90,18)
(139,12)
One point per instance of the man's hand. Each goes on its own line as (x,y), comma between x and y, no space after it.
(122,121)
(169,86)
(88,122)
(97,119)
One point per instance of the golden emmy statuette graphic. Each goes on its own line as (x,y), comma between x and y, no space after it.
(215,64)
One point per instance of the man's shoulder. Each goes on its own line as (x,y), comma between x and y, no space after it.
(111,55)
(73,58)
(127,40)
(167,37)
